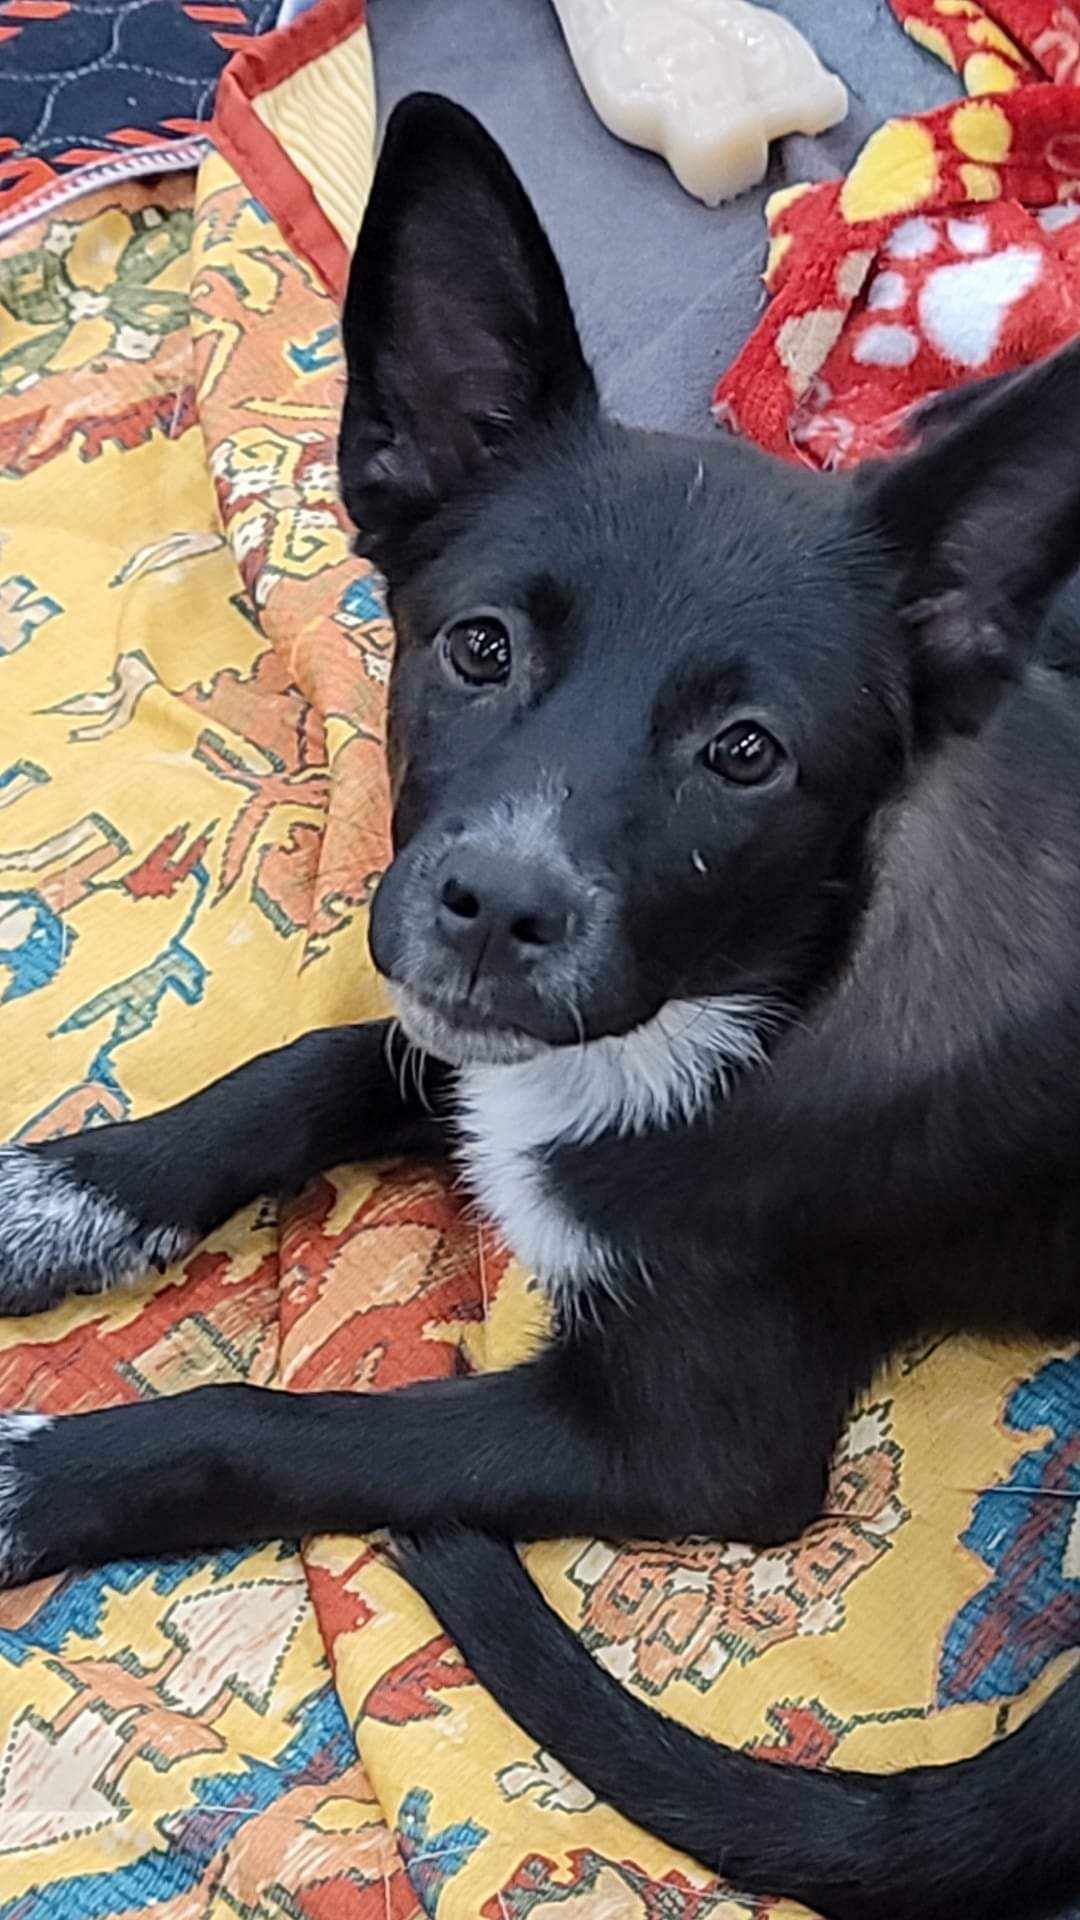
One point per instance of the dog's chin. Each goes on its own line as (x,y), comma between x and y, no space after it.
(427,1026)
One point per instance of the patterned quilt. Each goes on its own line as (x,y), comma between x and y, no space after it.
(192,820)
(97,91)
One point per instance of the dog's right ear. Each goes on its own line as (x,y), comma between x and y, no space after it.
(459,337)
(983,519)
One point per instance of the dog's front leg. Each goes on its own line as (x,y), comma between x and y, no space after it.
(226,1465)
(83,1213)
(604,1432)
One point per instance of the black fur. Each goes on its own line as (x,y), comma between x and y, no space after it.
(903,891)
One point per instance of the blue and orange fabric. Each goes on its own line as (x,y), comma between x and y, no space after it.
(92,94)
(192,822)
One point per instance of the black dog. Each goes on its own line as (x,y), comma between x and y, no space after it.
(737,890)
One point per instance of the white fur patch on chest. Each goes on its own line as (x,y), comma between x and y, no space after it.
(512,1118)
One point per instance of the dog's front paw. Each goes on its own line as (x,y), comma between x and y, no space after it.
(61,1233)
(53,1494)
(18,1551)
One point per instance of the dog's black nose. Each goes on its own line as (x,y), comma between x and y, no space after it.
(506,912)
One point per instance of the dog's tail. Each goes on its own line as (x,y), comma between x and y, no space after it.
(996,1836)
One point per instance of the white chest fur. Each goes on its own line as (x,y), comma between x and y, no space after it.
(513,1117)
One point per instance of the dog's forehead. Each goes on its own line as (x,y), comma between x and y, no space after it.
(671,563)
(618,492)
(614,509)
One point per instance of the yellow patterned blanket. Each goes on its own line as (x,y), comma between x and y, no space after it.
(192,818)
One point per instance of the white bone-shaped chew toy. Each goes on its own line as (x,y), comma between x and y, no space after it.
(705,83)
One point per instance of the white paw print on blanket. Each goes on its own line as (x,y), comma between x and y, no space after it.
(960,307)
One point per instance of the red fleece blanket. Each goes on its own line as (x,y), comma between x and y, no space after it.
(951,251)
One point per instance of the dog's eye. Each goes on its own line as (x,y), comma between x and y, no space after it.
(478,650)
(744,754)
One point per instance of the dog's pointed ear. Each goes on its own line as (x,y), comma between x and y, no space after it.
(984,520)
(458,332)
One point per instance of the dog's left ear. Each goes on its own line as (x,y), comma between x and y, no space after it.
(984,520)
(459,338)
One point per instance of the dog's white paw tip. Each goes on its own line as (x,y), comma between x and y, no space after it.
(16,1430)
(59,1234)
